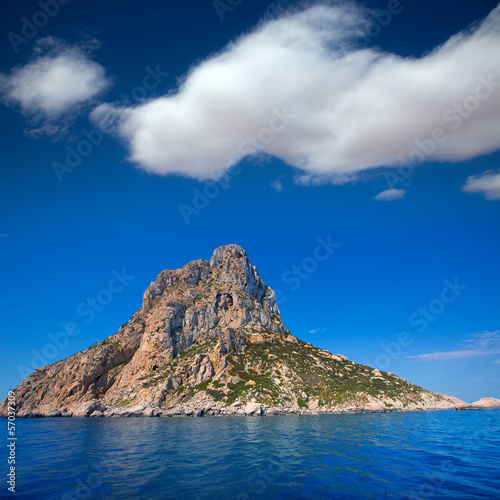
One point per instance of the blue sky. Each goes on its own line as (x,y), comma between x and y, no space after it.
(138,139)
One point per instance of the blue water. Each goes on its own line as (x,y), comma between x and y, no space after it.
(440,454)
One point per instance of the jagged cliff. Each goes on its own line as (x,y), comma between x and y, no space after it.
(209,339)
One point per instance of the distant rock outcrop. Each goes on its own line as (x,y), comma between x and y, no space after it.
(482,404)
(209,340)
(487,403)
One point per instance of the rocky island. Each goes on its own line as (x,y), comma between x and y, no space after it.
(209,340)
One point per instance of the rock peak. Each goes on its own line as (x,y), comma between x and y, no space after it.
(227,252)
(234,266)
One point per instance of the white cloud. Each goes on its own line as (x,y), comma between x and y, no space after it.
(488,184)
(480,344)
(57,82)
(316,330)
(344,109)
(390,194)
(277,185)
(458,354)
(485,340)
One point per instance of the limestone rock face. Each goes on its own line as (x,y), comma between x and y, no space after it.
(209,340)
(253,409)
(87,409)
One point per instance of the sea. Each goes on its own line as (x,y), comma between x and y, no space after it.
(411,455)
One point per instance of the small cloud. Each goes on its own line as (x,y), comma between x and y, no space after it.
(277,185)
(316,330)
(485,339)
(447,355)
(488,184)
(53,86)
(390,195)
(480,344)
(496,362)
(324,179)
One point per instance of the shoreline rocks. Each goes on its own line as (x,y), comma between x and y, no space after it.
(95,409)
